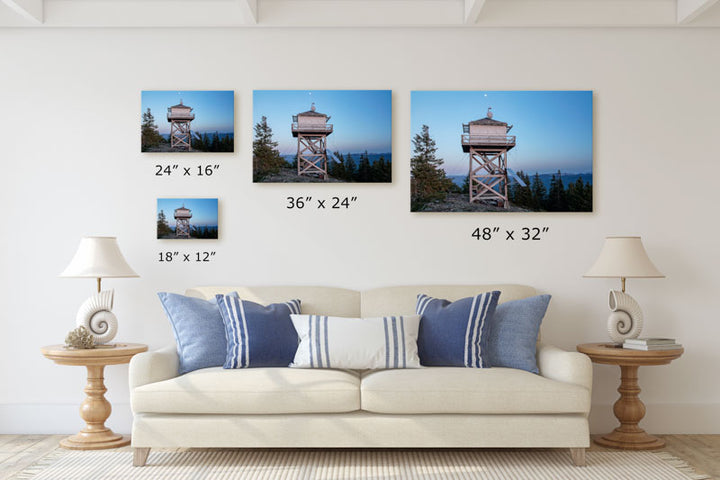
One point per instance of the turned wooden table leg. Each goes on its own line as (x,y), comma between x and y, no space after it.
(629,410)
(95,409)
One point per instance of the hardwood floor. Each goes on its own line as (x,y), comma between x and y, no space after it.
(17,452)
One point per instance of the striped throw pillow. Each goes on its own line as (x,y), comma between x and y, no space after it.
(356,343)
(454,334)
(257,335)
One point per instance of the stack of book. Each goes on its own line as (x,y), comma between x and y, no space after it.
(651,344)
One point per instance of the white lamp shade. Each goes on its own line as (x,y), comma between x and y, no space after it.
(98,257)
(623,257)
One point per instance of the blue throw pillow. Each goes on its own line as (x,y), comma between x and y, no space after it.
(514,332)
(455,334)
(258,336)
(199,331)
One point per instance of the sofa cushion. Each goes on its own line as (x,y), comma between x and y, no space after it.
(513,333)
(251,391)
(357,343)
(454,334)
(198,329)
(469,390)
(258,335)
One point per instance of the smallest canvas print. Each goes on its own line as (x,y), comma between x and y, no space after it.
(187,218)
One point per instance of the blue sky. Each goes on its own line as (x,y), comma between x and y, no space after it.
(204,210)
(362,119)
(554,129)
(214,109)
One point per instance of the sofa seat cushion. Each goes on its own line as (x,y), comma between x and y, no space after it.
(252,391)
(469,390)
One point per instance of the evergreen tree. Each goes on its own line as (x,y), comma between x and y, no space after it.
(557,198)
(349,168)
(163,229)
(337,169)
(519,195)
(538,193)
(266,157)
(579,196)
(150,136)
(364,173)
(381,170)
(429,182)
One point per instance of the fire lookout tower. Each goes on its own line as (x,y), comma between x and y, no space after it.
(487,141)
(180,117)
(311,129)
(182,222)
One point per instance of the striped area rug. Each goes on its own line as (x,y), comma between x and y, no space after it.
(357,464)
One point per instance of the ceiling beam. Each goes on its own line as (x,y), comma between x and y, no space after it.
(250,8)
(472,10)
(689,10)
(30,9)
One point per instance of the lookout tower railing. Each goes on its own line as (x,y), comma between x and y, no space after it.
(499,140)
(322,129)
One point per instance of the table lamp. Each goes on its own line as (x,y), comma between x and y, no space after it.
(98,257)
(623,257)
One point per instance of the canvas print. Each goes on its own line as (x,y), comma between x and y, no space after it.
(190,121)
(322,136)
(504,151)
(187,218)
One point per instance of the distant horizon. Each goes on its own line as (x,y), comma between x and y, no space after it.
(214,109)
(204,210)
(362,119)
(553,129)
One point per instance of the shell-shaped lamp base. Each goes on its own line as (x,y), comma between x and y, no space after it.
(626,319)
(96,315)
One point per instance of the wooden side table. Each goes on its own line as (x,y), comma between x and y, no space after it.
(629,410)
(95,409)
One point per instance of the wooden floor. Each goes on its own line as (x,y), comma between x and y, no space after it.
(20,451)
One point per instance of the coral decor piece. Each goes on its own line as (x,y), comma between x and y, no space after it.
(80,338)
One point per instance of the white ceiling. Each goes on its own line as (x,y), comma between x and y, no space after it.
(359,13)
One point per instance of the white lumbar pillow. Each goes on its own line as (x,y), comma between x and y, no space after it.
(356,343)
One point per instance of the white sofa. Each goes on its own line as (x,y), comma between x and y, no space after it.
(434,407)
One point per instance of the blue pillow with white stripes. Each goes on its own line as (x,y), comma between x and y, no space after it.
(258,335)
(455,334)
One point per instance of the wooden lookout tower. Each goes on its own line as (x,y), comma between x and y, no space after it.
(180,117)
(487,141)
(182,222)
(311,129)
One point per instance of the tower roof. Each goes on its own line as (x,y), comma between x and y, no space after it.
(488,121)
(312,113)
(180,105)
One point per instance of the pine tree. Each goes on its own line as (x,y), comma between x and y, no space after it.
(266,157)
(349,169)
(538,192)
(519,195)
(557,197)
(163,229)
(150,136)
(337,169)
(364,173)
(429,182)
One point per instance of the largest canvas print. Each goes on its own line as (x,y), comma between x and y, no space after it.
(322,136)
(502,151)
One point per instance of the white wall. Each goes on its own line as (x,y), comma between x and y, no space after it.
(69,114)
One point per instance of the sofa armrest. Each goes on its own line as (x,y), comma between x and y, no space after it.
(569,367)
(151,367)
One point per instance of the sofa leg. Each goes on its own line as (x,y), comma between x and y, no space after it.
(140,456)
(578,456)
